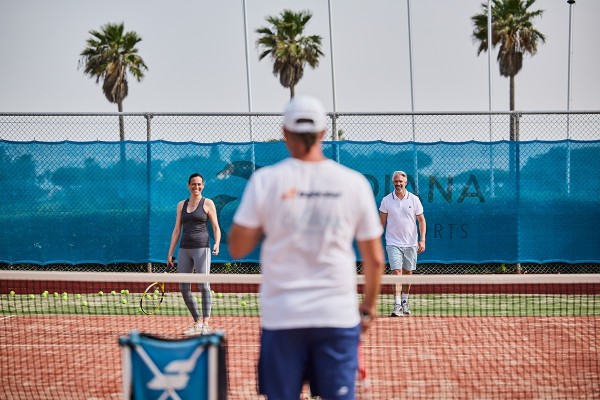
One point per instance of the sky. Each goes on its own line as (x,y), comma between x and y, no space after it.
(196,55)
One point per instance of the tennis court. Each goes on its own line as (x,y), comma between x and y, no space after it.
(524,341)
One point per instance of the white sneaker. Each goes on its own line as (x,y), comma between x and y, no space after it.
(397,311)
(195,329)
(405,309)
(205,330)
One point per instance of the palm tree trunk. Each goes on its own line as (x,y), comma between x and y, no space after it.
(512,106)
(514,153)
(121,131)
(511,137)
(122,154)
(121,122)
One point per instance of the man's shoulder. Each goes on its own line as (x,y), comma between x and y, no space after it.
(387,196)
(414,197)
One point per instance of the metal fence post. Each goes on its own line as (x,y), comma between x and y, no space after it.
(148,180)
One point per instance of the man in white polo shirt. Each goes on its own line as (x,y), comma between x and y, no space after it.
(398,213)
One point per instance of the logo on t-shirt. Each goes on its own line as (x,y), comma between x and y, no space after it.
(289,194)
(293,192)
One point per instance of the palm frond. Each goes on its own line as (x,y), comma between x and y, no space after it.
(111,53)
(290,51)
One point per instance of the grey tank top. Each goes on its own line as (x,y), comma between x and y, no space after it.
(195,227)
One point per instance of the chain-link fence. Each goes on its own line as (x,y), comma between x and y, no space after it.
(263,127)
(571,139)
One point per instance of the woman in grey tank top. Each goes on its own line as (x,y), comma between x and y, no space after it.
(191,227)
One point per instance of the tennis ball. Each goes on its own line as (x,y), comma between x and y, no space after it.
(125,291)
(243,303)
(219,295)
(155,297)
(113,292)
(45,294)
(122,291)
(56,294)
(84,303)
(101,293)
(65,294)
(32,296)
(12,293)
(124,301)
(212,292)
(78,296)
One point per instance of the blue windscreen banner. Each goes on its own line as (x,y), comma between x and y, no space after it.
(112,202)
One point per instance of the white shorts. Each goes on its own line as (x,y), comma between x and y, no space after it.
(402,257)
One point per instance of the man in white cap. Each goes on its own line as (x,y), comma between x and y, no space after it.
(308,210)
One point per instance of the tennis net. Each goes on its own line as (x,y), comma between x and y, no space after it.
(469,336)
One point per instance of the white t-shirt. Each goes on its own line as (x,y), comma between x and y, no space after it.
(310,213)
(401,227)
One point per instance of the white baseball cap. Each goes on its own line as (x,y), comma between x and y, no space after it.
(304,114)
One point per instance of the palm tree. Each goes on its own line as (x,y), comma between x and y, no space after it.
(289,50)
(513,30)
(109,55)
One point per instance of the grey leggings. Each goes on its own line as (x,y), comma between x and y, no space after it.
(197,261)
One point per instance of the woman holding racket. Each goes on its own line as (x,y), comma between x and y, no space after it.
(310,209)
(191,226)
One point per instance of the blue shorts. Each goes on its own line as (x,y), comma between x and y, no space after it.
(326,358)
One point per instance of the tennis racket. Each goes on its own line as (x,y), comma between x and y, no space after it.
(364,384)
(153,297)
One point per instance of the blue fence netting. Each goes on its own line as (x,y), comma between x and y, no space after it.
(114,202)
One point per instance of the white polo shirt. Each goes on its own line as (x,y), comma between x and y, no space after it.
(401,226)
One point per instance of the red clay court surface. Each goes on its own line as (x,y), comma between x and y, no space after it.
(78,357)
